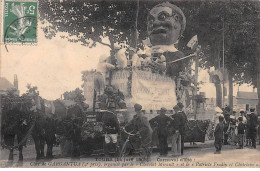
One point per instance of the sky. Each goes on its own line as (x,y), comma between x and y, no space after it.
(55,66)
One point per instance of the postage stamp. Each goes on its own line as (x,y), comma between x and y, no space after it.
(130,84)
(20,22)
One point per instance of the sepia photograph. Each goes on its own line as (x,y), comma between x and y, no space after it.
(130,83)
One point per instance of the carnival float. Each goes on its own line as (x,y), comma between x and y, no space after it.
(157,75)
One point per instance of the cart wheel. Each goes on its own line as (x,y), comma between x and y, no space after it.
(125,150)
(145,152)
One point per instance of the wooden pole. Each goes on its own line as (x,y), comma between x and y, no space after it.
(136,24)
(223,64)
(196,84)
(230,93)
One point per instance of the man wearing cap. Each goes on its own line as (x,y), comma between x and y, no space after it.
(142,127)
(162,123)
(184,116)
(248,121)
(111,129)
(252,130)
(258,129)
(218,134)
(176,138)
(180,120)
(227,122)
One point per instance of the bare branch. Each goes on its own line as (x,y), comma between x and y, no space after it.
(105,44)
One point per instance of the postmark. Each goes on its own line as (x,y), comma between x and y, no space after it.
(20,22)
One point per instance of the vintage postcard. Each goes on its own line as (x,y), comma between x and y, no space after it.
(130,84)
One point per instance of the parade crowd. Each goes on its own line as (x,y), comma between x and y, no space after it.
(241,131)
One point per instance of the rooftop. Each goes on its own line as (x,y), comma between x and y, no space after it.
(5,84)
(247,95)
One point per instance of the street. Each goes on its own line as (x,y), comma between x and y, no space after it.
(199,155)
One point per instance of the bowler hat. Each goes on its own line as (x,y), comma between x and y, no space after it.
(180,105)
(176,107)
(242,111)
(138,107)
(252,107)
(163,109)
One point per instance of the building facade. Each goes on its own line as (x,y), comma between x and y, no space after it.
(245,100)
(6,85)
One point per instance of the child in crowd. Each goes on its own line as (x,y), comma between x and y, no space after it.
(240,132)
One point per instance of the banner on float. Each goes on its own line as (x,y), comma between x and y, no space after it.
(153,90)
(120,80)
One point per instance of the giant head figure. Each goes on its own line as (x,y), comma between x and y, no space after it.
(166,23)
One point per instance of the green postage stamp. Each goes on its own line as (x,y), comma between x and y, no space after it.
(20,22)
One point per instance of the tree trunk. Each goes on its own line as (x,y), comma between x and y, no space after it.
(132,37)
(113,59)
(230,90)
(217,82)
(218,95)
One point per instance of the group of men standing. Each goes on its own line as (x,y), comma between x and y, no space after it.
(174,126)
(164,126)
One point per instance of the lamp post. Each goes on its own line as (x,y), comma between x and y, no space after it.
(223,63)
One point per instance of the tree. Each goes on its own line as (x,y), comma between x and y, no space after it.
(33,90)
(90,22)
(75,95)
(238,22)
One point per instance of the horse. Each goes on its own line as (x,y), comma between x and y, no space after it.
(69,126)
(20,120)
(16,121)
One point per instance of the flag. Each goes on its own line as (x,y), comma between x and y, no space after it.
(193,41)
(218,110)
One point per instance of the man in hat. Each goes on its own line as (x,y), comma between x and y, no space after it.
(218,134)
(111,129)
(181,122)
(227,122)
(162,123)
(142,127)
(258,129)
(252,130)
(184,122)
(176,138)
(248,121)
(184,116)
